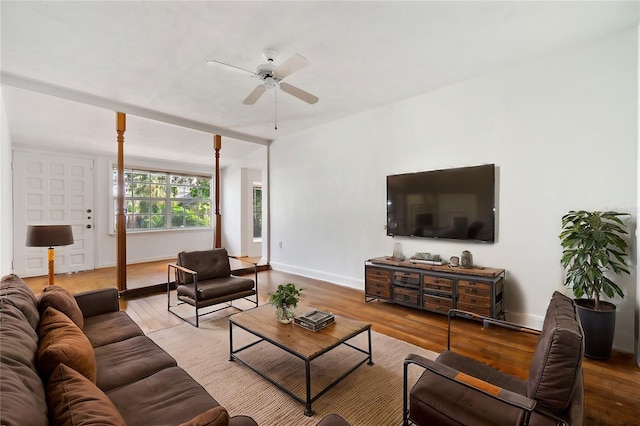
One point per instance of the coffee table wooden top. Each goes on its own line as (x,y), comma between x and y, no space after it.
(308,344)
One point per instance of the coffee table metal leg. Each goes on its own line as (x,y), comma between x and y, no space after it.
(370,351)
(231,341)
(307,410)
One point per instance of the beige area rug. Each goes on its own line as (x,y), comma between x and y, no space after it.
(369,396)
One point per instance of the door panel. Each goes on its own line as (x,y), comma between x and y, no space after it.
(52,190)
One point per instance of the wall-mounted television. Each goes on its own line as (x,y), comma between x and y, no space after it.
(455,204)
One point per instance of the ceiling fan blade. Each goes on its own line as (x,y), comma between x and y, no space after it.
(255,95)
(219,64)
(291,65)
(299,93)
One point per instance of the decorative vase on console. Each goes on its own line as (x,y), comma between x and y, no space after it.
(285,299)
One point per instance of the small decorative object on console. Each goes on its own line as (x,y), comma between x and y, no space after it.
(454,261)
(423,256)
(397,252)
(314,320)
(466,259)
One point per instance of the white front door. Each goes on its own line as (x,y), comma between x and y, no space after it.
(52,190)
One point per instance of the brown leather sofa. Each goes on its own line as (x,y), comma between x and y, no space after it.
(203,278)
(76,359)
(457,390)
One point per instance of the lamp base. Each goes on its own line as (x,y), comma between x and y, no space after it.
(51,258)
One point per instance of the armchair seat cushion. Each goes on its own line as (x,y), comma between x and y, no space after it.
(434,397)
(216,288)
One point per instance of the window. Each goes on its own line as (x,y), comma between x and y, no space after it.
(158,200)
(257,212)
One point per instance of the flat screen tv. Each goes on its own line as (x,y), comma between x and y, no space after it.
(455,204)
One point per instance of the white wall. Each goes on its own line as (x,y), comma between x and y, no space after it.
(6,189)
(562,130)
(231,207)
(236,201)
(637,338)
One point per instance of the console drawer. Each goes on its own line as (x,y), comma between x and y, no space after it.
(411,278)
(378,274)
(438,284)
(405,295)
(472,299)
(377,288)
(439,304)
(480,310)
(474,288)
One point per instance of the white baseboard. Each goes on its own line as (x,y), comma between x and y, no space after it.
(340,280)
(531,321)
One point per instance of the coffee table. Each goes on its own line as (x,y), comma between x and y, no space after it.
(297,341)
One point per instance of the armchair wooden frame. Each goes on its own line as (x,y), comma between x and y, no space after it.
(203,303)
(522,402)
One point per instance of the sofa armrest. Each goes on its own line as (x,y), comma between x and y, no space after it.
(489,389)
(97,302)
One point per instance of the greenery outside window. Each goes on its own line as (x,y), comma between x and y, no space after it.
(158,200)
(257,212)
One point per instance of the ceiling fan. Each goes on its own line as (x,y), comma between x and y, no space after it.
(271,76)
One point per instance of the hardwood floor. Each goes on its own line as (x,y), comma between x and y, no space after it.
(612,387)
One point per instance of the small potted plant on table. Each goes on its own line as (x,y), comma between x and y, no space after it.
(593,245)
(285,299)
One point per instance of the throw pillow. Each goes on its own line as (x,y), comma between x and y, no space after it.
(75,401)
(61,341)
(59,298)
(216,416)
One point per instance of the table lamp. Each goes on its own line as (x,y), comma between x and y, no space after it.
(49,236)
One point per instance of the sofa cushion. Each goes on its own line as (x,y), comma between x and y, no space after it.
(110,328)
(22,397)
(21,404)
(207,263)
(216,416)
(61,341)
(75,401)
(16,292)
(124,362)
(557,360)
(165,399)
(59,298)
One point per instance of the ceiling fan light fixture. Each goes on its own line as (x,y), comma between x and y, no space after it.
(270,82)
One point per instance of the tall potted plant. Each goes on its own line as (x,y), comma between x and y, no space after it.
(593,246)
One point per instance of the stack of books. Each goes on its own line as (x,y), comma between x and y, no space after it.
(314,320)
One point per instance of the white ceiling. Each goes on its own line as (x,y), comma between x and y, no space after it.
(148,59)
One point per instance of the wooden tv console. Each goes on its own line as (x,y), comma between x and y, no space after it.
(435,288)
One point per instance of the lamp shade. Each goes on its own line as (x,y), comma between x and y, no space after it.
(49,235)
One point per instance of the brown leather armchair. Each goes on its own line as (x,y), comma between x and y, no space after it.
(203,278)
(457,390)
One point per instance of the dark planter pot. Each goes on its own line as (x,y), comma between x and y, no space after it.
(599,328)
